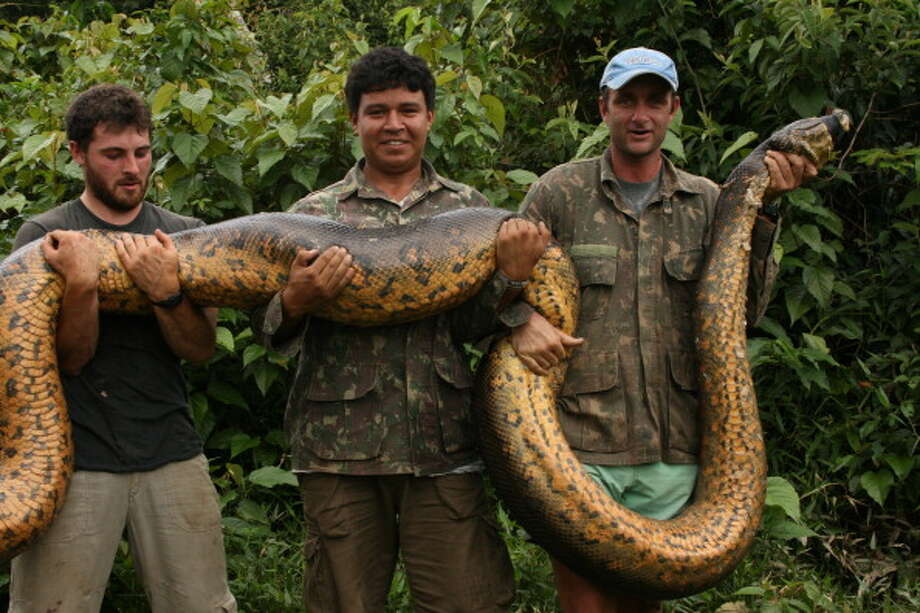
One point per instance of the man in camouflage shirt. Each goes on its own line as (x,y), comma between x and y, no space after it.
(379,418)
(638,229)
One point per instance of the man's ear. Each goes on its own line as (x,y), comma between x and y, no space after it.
(675,104)
(78,155)
(602,104)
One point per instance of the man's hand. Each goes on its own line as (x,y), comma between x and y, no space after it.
(74,256)
(519,246)
(152,262)
(314,279)
(540,345)
(787,172)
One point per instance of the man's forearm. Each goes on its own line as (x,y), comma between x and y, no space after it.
(188,329)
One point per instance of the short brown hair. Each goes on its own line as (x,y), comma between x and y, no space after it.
(106,103)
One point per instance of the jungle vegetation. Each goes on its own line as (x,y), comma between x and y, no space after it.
(250,116)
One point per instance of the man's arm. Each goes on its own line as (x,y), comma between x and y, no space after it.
(152,262)
(519,246)
(76,259)
(787,172)
(538,343)
(314,278)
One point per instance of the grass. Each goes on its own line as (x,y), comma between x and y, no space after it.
(838,572)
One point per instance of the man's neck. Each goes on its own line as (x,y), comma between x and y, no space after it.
(635,169)
(116,217)
(395,186)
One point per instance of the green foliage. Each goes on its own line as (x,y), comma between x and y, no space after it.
(250,116)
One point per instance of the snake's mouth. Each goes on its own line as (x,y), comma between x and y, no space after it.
(838,124)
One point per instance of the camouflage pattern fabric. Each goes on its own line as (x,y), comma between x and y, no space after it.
(384,400)
(630,396)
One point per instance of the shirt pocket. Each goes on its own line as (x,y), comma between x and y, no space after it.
(686,264)
(596,269)
(683,402)
(341,414)
(592,405)
(683,272)
(591,371)
(454,383)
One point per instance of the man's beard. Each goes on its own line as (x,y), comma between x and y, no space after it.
(108,197)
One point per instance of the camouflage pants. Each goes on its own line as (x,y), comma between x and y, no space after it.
(443,526)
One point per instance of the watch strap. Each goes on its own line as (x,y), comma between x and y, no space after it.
(170,302)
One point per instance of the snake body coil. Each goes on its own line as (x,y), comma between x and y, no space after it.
(403,274)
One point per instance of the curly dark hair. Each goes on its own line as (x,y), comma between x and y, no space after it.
(106,103)
(388,68)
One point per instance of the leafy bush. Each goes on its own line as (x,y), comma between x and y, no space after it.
(250,116)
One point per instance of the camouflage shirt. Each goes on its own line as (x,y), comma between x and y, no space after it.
(393,399)
(630,396)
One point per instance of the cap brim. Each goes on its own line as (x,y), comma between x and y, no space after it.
(625,78)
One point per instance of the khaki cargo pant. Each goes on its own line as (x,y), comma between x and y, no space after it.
(172,521)
(444,527)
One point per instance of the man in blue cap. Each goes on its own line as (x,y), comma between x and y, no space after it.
(638,229)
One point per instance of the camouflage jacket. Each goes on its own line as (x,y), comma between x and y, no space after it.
(630,396)
(384,400)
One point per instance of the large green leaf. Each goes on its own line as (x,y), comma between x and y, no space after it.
(188,147)
(225,338)
(163,97)
(241,442)
(276,105)
(453,52)
(195,102)
(230,168)
(563,7)
(901,465)
(268,158)
(877,484)
(780,493)
(741,141)
(479,6)
(819,281)
(35,144)
(495,111)
(521,177)
(270,476)
(251,353)
(807,101)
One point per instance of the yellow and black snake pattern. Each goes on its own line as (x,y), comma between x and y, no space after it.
(410,272)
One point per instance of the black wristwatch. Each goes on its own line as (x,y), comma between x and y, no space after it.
(169,303)
(511,283)
(771,209)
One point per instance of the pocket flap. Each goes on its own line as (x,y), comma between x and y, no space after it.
(454,372)
(345,383)
(683,368)
(595,264)
(594,372)
(685,265)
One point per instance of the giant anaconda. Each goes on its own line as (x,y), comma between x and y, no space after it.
(405,273)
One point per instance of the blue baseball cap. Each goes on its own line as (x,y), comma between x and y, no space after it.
(631,63)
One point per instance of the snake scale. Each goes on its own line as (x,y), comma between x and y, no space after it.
(409,272)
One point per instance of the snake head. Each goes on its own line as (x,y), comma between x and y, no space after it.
(814,138)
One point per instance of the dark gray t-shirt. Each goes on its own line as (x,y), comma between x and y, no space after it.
(128,405)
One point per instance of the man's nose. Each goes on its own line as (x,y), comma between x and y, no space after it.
(131,165)
(640,113)
(393,121)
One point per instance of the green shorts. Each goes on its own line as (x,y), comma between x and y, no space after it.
(656,490)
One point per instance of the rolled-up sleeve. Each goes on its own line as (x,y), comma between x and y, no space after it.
(265,321)
(764,268)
